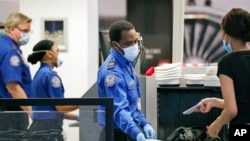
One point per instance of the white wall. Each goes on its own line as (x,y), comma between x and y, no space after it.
(6,7)
(112,8)
(79,69)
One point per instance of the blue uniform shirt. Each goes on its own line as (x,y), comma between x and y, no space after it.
(46,84)
(12,67)
(117,79)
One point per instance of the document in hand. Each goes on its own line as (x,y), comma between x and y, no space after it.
(192,109)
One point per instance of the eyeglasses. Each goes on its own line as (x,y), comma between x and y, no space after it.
(24,30)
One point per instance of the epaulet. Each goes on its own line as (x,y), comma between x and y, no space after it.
(13,47)
(111,64)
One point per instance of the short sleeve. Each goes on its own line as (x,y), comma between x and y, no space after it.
(55,86)
(12,67)
(225,67)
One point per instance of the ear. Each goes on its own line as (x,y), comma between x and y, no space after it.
(48,53)
(116,47)
(11,29)
(113,44)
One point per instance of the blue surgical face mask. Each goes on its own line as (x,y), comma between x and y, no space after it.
(130,53)
(24,39)
(227,46)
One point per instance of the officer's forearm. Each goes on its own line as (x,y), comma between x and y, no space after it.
(17,92)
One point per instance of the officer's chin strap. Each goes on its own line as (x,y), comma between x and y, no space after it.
(141,48)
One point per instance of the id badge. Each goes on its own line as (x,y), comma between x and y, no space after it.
(139,104)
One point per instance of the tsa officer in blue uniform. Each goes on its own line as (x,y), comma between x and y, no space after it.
(48,84)
(117,80)
(15,78)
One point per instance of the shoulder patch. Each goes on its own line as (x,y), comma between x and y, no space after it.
(14,60)
(55,82)
(111,64)
(110,80)
(13,47)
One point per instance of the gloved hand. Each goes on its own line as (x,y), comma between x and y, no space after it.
(149,131)
(77,118)
(140,137)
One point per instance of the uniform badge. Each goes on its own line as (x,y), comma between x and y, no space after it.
(131,83)
(14,60)
(110,80)
(55,82)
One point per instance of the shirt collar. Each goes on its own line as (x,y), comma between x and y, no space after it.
(10,40)
(45,65)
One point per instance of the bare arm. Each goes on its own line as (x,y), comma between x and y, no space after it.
(17,92)
(218,103)
(209,103)
(66,109)
(228,93)
(230,107)
(70,116)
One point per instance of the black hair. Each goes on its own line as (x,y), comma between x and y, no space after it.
(236,23)
(117,27)
(40,46)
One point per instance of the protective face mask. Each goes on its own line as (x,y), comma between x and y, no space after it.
(227,46)
(59,62)
(24,39)
(130,53)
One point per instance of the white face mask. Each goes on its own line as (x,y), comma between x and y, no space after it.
(59,61)
(24,39)
(130,53)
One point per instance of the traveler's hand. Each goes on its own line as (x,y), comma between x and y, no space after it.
(149,131)
(214,129)
(207,105)
(140,137)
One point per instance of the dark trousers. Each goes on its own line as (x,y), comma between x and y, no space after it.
(13,123)
(46,130)
(118,136)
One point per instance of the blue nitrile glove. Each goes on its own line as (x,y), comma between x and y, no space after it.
(149,131)
(77,118)
(140,137)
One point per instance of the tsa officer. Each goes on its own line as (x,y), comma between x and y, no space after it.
(15,78)
(117,80)
(48,84)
